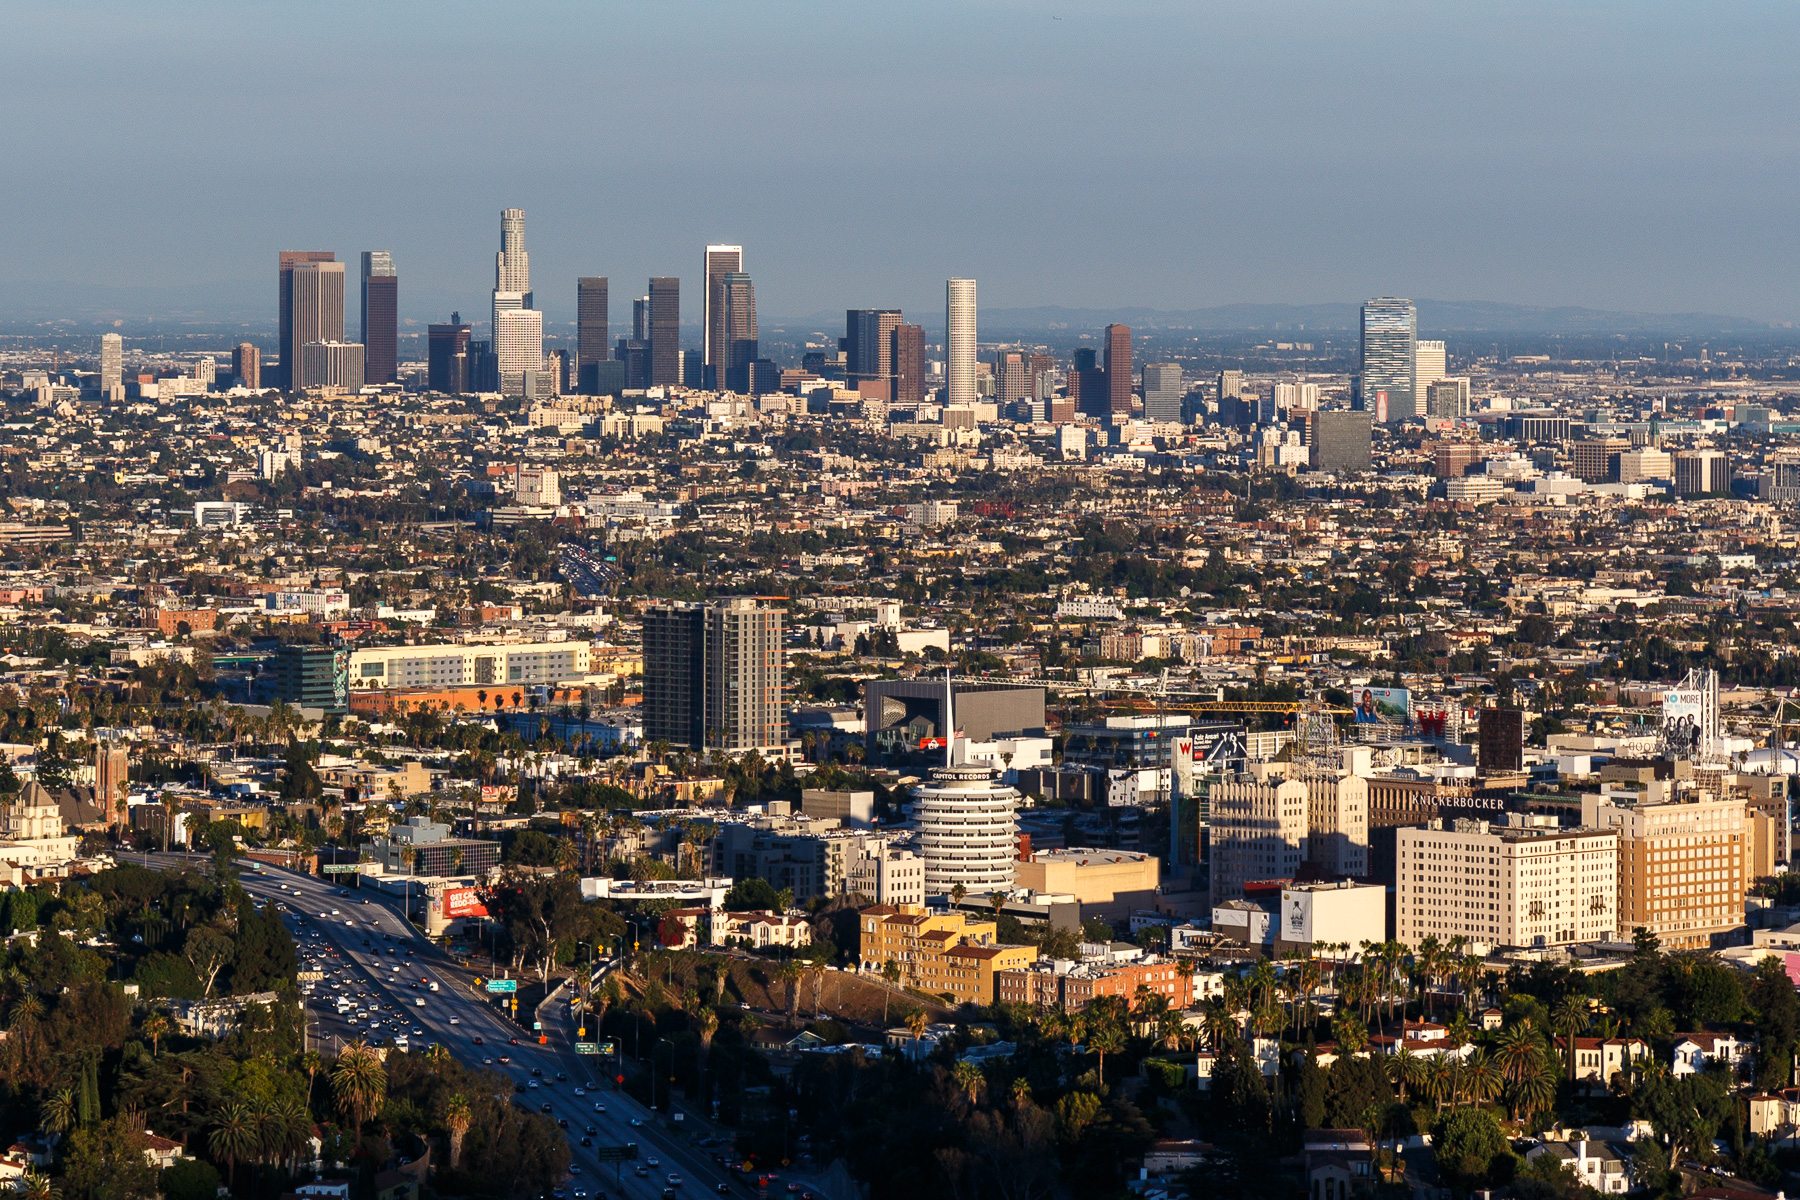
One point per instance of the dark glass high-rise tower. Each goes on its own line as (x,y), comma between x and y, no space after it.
(665,331)
(737,304)
(380,317)
(591,347)
(908,359)
(868,344)
(1118,369)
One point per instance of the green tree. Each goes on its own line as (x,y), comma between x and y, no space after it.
(1470,1147)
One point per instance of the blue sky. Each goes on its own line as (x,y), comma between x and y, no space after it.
(1639,156)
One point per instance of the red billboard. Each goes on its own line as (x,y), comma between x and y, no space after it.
(463,902)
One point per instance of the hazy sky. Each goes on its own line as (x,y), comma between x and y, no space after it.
(1635,155)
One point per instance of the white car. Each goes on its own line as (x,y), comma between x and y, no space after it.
(458,1021)
(418,1003)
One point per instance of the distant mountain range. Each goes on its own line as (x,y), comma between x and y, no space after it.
(1435,316)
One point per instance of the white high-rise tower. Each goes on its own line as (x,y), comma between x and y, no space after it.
(112,366)
(518,329)
(959,337)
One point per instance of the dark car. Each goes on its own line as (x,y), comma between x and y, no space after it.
(545,1107)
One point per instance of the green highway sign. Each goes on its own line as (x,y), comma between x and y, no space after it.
(616,1153)
(502,985)
(340,868)
(587,1047)
(609,1047)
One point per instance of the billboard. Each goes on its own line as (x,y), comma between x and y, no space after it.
(463,902)
(1683,712)
(1377,704)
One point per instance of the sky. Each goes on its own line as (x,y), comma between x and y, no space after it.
(1640,156)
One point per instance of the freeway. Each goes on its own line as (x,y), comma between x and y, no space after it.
(370,939)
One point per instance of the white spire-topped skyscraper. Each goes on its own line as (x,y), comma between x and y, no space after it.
(518,329)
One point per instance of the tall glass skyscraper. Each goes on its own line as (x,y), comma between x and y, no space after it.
(1390,326)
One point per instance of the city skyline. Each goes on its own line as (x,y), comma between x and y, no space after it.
(1549,176)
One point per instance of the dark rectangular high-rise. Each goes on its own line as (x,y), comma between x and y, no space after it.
(1341,440)
(1118,369)
(869,344)
(290,352)
(908,361)
(665,331)
(447,356)
(591,341)
(380,317)
(736,298)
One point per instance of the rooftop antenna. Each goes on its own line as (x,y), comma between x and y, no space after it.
(949,721)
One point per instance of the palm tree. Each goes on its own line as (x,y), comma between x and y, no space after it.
(35,1185)
(57,1114)
(1406,1070)
(1440,1079)
(1021,1092)
(790,972)
(1481,1079)
(458,1116)
(234,1136)
(1350,1034)
(156,1027)
(1536,1092)
(706,1025)
(311,1063)
(970,1080)
(1569,1018)
(916,1024)
(1219,1024)
(1106,1038)
(283,1130)
(358,1083)
(1517,1051)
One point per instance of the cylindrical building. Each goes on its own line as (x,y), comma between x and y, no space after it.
(968,829)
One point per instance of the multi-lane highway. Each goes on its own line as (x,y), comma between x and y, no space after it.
(367,946)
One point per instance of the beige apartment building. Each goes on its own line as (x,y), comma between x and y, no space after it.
(1682,863)
(1518,884)
(1263,826)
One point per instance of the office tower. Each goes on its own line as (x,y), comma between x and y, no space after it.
(246,365)
(1429,366)
(316,313)
(868,344)
(447,356)
(1162,392)
(1231,385)
(1389,328)
(332,365)
(715,349)
(1341,440)
(1447,398)
(1264,826)
(959,342)
(288,348)
(512,265)
(1088,392)
(908,360)
(664,321)
(518,328)
(1515,885)
(693,369)
(713,675)
(591,340)
(1701,473)
(1596,460)
(380,317)
(484,372)
(735,322)
(1294,397)
(633,357)
(640,320)
(1118,369)
(556,373)
(1501,740)
(112,366)
(518,349)
(1012,377)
